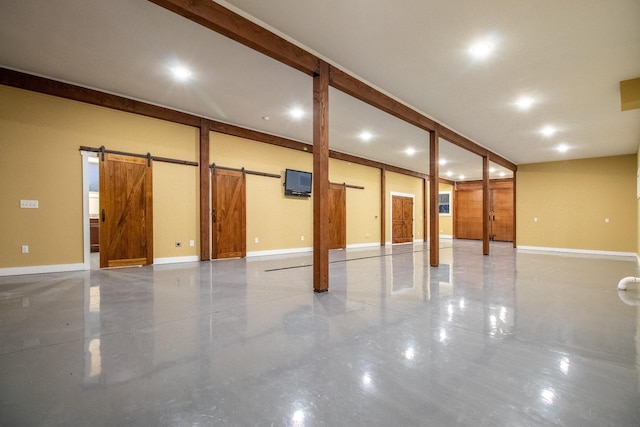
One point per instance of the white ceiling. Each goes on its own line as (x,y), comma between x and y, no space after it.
(569,55)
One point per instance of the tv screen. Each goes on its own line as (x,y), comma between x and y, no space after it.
(297,183)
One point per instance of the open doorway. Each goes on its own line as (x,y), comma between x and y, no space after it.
(91,209)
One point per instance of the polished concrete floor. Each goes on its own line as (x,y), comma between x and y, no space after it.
(510,339)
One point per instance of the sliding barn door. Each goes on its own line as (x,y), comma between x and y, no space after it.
(126,211)
(229,214)
(401,219)
(337,216)
(468,211)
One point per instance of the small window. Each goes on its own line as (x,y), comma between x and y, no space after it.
(444,203)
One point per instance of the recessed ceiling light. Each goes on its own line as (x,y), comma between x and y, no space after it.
(562,148)
(461,176)
(492,170)
(181,73)
(449,174)
(365,136)
(267,118)
(548,131)
(296,113)
(502,174)
(524,103)
(410,151)
(481,49)
(442,162)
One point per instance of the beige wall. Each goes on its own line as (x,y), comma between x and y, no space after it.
(363,206)
(572,199)
(407,185)
(40,159)
(278,222)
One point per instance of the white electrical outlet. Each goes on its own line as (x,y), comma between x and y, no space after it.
(25,249)
(192,242)
(256,240)
(301,237)
(606,220)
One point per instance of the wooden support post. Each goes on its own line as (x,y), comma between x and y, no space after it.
(205,201)
(515,245)
(321,179)
(485,206)
(434,217)
(383,206)
(425,209)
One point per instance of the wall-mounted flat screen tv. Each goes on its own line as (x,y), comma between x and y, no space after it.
(297,183)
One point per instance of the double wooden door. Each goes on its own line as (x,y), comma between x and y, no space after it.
(126,211)
(401,219)
(468,211)
(228,199)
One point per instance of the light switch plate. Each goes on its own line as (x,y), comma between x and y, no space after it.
(28,204)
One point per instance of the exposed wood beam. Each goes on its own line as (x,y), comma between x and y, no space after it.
(47,86)
(446,181)
(461,141)
(499,160)
(33,83)
(258,136)
(321,179)
(434,217)
(365,93)
(228,23)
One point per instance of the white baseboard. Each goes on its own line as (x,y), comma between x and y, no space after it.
(40,269)
(176,260)
(279,252)
(578,251)
(363,245)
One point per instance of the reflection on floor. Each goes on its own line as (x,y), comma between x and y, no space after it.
(502,340)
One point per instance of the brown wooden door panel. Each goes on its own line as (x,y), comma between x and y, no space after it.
(126,211)
(337,216)
(401,219)
(468,211)
(468,214)
(502,214)
(229,214)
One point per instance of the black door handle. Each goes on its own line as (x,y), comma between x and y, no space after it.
(102,215)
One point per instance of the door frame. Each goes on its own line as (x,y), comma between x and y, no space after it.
(413,215)
(86,230)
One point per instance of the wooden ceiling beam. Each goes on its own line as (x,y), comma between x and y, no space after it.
(365,93)
(228,23)
(47,86)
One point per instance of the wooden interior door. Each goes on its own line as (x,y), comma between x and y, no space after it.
(401,219)
(337,216)
(468,213)
(502,214)
(229,214)
(126,211)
